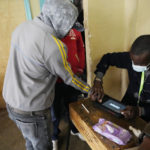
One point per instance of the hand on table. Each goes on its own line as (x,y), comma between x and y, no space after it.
(97,91)
(130,112)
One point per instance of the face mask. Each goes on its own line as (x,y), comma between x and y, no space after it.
(138,68)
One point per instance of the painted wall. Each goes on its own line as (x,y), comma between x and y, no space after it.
(12,13)
(35,7)
(111,26)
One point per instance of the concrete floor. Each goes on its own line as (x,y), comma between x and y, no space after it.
(11,138)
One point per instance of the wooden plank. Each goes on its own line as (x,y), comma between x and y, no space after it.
(84,122)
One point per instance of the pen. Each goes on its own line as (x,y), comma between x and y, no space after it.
(85,108)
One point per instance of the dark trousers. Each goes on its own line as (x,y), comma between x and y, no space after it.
(64,95)
(34,128)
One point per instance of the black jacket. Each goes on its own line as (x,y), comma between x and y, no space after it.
(123,60)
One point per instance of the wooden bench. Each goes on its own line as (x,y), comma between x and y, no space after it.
(84,120)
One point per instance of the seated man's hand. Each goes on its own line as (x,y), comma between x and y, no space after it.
(97,91)
(130,112)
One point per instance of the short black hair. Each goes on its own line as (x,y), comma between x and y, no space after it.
(141,45)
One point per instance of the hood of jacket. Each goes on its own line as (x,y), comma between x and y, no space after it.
(61,15)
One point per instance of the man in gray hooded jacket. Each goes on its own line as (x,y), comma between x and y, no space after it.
(37,58)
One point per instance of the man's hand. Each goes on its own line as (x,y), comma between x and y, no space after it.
(97,91)
(130,112)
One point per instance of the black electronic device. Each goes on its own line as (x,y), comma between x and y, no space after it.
(111,105)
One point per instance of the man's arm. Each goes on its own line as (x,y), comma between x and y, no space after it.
(120,60)
(56,62)
(131,112)
(146,112)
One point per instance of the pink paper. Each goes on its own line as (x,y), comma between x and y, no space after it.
(112,131)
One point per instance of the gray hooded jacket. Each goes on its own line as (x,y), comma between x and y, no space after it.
(38,57)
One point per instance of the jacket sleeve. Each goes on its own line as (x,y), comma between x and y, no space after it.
(146,115)
(120,60)
(81,51)
(56,61)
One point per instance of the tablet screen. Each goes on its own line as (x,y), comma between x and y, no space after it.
(113,105)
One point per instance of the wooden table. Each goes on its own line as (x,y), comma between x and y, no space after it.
(84,122)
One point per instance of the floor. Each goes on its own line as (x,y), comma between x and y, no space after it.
(11,138)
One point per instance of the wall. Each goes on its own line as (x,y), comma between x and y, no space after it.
(35,7)
(111,26)
(143,19)
(12,13)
